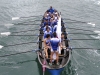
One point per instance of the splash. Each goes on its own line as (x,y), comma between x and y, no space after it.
(93,24)
(98,2)
(1,46)
(15,18)
(8,25)
(96,37)
(5,33)
(97,31)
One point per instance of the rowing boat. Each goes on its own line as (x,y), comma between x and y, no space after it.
(64,55)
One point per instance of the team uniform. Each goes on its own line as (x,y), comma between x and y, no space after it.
(54,44)
(45,28)
(51,10)
(48,42)
(55,28)
(45,33)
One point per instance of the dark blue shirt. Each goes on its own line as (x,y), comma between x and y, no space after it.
(51,10)
(54,43)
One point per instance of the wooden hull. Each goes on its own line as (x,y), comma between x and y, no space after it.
(64,57)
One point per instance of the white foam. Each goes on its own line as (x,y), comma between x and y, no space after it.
(7,25)
(97,31)
(89,23)
(96,37)
(98,2)
(93,24)
(5,33)
(15,18)
(1,46)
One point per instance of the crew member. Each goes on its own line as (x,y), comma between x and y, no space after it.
(51,10)
(47,44)
(55,43)
(46,25)
(47,32)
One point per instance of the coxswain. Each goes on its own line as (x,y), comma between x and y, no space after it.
(47,44)
(55,43)
(51,10)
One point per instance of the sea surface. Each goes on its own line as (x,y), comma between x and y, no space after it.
(86,16)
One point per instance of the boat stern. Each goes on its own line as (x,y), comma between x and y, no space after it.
(55,71)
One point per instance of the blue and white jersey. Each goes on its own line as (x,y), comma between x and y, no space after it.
(45,28)
(54,43)
(55,28)
(45,33)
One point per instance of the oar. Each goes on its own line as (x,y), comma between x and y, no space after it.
(84,48)
(81,39)
(9,33)
(79,29)
(26,30)
(18,44)
(16,18)
(20,24)
(74,20)
(82,33)
(19,53)
(78,21)
(27,35)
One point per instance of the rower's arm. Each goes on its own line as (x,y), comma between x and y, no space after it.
(44,43)
(45,47)
(60,45)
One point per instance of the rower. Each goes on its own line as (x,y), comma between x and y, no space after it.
(45,22)
(47,16)
(56,16)
(62,38)
(46,25)
(55,43)
(47,32)
(47,44)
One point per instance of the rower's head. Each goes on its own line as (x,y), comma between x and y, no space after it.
(48,36)
(47,29)
(50,7)
(51,20)
(47,11)
(54,34)
(62,35)
(46,25)
(51,16)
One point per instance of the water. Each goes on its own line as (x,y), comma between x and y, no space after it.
(83,62)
